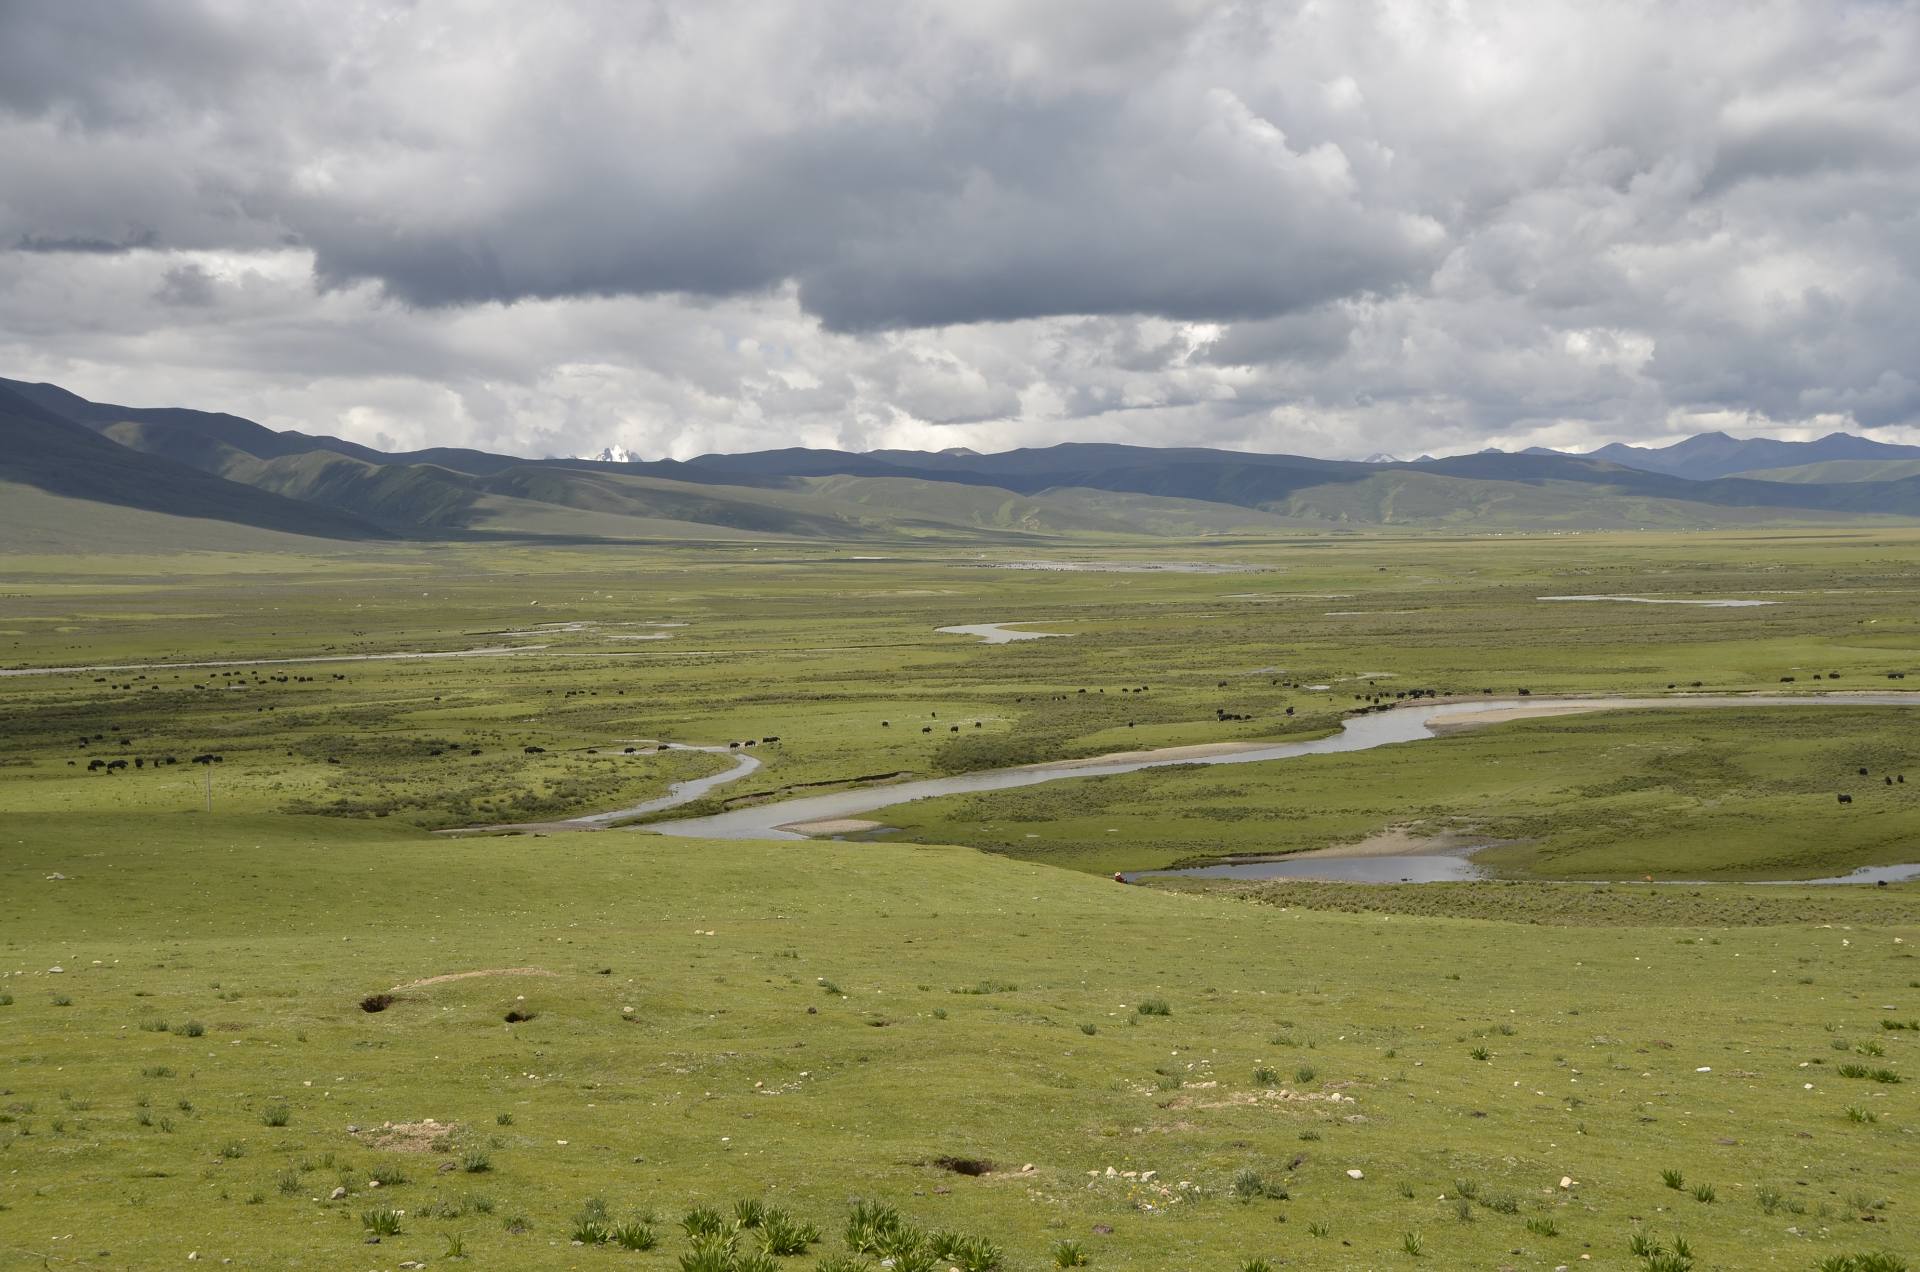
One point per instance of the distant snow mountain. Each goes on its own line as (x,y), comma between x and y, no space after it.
(1381,457)
(612,455)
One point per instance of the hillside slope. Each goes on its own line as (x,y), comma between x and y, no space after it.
(42,450)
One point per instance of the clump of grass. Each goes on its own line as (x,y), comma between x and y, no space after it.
(1468,1188)
(1703,1193)
(1412,1244)
(1089,1029)
(1070,1254)
(1265,1077)
(1657,1258)
(381,1223)
(503,1119)
(1879,1261)
(456,1248)
(714,1253)
(1480,1053)
(1769,1197)
(1249,1185)
(702,1221)
(868,1222)
(1153,1007)
(476,1163)
(192,1029)
(1861,1115)
(388,1175)
(1305,1074)
(977,1254)
(154,1026)
(1502,1203)
(1673,1179)
(232,1149)
(62,1000)
(1256,1265)
(749,1212)
(1543,1226)
(784,1236)
(276,1115)
(634,1235)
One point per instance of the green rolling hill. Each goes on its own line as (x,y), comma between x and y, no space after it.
(212,467)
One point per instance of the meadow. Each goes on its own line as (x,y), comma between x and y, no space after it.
(602,1035)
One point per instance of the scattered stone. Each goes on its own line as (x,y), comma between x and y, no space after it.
(1102,1229)
(337,1194)
(1566,1181)
(1356,1174)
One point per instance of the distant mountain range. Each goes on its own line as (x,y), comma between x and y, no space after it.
(1706,456)
(82,475)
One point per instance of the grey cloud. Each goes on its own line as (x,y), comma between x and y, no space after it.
(1356,227)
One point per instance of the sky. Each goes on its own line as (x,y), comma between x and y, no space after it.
(1329,227)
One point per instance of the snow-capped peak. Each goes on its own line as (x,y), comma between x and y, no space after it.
(1381,457)
(612,455)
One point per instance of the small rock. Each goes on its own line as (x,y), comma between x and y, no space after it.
(50,878)
(337,1194)
(1566,1181)
(1356,1174)
(373,1183)
(192,1255)
(1102,1229)
(447,1168)
(1027,1169)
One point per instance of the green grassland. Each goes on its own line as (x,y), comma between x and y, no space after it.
(817,1022)
(813,1022)
(1735,793)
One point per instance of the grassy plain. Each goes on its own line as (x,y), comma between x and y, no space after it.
(1485,1039)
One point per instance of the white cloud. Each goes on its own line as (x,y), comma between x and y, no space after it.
(1382,225)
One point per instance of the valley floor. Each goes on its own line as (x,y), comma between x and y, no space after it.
(1496,1074)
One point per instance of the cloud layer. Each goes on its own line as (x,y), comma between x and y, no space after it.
(677,226)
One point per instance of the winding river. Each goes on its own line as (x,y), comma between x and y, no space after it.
(1357,733)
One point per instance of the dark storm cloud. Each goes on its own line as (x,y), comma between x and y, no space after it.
(1385,224)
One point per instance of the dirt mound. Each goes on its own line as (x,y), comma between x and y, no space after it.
(426,1136)
(485,971)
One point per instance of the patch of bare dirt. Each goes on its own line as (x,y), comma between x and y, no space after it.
(425,1136)
(459,976)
